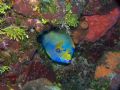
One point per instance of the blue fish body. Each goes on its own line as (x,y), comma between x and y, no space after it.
(59,47)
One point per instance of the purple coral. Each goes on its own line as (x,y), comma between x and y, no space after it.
(3,45)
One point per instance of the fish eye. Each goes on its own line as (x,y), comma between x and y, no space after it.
(64,49)
(70,53)
(58,50)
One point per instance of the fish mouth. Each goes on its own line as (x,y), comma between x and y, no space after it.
(66,61)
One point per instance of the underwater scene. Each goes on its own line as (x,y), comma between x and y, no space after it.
(59,44)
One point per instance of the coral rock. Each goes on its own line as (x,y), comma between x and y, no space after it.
(37,70)
(115,83)
(23,7)
(40,84)
(9,87)
(100,7)
(36,23)
(14,45)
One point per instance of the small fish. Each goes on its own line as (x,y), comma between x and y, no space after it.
(58,46)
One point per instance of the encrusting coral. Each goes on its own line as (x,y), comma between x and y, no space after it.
(100,24)
(112,60)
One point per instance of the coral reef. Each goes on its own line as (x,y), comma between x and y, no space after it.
(40,84)
(23,7)
(3,8)
(90,27)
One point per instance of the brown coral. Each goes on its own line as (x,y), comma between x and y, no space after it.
(23,7)
(80,33)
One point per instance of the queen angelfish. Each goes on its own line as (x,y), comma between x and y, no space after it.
(59,47)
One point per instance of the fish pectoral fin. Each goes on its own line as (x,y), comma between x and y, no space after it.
(66,55)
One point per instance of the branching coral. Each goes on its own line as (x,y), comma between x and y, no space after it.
(63,16)
(4,69)
(3,8)
(71,19)
(14,32)
(48,6)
